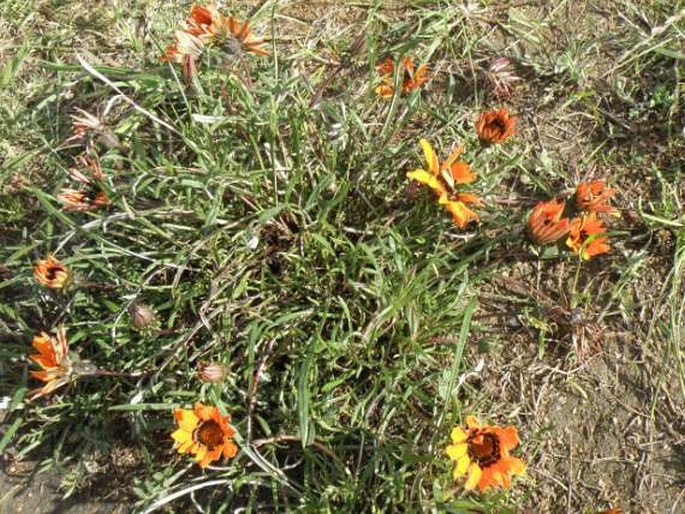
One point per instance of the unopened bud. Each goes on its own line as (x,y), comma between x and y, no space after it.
(107,138)
(83,368)
(211,372)
(142,316)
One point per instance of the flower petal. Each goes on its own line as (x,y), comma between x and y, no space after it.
(461,214)
(472,422)
(431,158)
(508,437)
(474,477)
(186,447)
(186,419)
(200,456)
(456,451)
(204,412)
(181,436)
(458,435)
(230,450)
(461,173)
(423,177)
(516,466)
(462,465)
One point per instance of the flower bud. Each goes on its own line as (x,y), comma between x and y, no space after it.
(211,372)
(142,316)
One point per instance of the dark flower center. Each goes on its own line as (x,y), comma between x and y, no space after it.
(92,195)
(407,75)
(51,272)
(209,433)
(484,449)
(499,125)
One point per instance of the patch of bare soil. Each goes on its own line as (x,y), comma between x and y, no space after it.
(597,395)
(101,484)
(32,494)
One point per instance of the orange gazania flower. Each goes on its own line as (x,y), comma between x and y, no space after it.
(51,273)
(495,126)
(53,357)
(586,237)
(594,197)
(205,433)
(204,20)
(214,29)
(412,78)
(482,453)
(545,223)
(443,179)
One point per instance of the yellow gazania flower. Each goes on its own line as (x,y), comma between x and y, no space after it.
(481,453)
(461,214)
(51,273)
(443,178)
(205,433)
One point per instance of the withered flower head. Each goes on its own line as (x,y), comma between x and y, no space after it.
(586,236)
(205,433)
(481,452)
(211,372)
(186,45)
(545,223)
(51,273)
(594,196)
(501,77)
(142,316)
(86,124)
(495,126)
(87,170)
(93,197)
(83,200)
(186,50)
